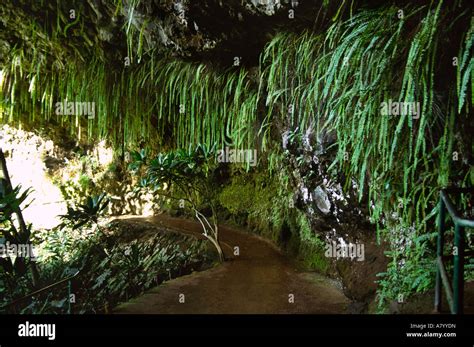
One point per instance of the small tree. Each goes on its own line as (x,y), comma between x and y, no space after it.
(184,176)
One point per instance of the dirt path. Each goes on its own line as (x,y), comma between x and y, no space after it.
(259,280)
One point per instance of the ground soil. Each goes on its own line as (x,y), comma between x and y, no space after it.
(259,280)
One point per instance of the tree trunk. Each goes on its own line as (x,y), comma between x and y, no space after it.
(211,233)
(216,244)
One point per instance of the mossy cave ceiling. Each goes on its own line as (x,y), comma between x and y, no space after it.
(204,30)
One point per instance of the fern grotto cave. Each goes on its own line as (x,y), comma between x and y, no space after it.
(266,166)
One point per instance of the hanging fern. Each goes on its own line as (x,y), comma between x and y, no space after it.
(140,104)
(465,76)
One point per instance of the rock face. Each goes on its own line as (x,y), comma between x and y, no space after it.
(214,30)
(322,200)
(335,215)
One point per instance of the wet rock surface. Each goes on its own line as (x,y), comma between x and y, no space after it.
(201,30)
(337,215)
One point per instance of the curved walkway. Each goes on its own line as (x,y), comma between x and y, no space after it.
(261,280)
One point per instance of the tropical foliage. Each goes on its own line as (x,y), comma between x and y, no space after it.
(112,268)
(312,82)
(185,175)
(337,81)
(13,270)
(86,213)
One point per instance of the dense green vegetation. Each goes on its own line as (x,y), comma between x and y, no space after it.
(337,82)
(113,262)
(333,81)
